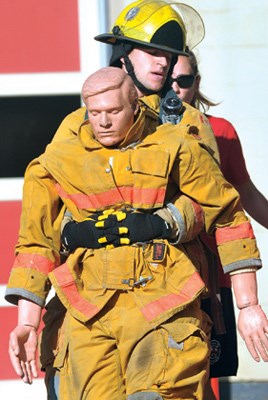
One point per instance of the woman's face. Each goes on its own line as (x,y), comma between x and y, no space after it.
(184,72)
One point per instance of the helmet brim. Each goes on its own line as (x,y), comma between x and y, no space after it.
(110,38)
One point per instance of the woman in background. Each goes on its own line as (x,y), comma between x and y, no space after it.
(186,80)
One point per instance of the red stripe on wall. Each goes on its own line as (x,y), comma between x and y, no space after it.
(9,223)
(39,36)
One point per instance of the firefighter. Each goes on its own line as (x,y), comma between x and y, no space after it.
(146,39)
(128,37)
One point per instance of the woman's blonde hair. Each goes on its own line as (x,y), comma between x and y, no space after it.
(200,101)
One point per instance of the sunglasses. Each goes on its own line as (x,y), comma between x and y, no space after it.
(183,81)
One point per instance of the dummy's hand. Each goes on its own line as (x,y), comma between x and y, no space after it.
(22,352)
(253,328)
(135,227)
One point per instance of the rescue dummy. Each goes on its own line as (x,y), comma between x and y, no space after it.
(136,305)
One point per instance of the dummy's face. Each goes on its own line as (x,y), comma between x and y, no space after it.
(151,67)
(111,115)
(183,67)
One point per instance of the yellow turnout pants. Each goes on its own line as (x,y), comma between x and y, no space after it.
(118,355)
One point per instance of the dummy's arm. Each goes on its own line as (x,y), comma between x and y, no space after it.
(252,321)
(23,341)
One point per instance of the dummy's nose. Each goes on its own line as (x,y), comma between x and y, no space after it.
(104,119)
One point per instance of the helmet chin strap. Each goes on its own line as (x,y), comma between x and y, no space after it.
(130,70)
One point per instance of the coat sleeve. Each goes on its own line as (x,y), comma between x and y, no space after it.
(70,125)
(38,248)
(185,216)
(200,178)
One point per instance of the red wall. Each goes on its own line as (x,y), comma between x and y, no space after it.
(39,36)
(9,217)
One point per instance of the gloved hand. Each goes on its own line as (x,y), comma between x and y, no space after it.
(135,227)
(86,234)
(114,228)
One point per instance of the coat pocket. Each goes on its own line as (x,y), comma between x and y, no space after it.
(119,268)
(150,162)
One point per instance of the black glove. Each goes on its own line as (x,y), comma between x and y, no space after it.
(83,234)
(114,229)
(141,227)
(89,234)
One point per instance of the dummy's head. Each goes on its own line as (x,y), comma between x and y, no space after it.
(161,29)
(112,103)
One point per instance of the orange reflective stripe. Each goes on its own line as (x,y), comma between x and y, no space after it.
(139,196)
(66,282)
(229,233)
(187,293)
(199,216)
(35,261)
(132,195)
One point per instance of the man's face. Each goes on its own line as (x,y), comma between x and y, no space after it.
(111,115)
(151,67)
(183,70)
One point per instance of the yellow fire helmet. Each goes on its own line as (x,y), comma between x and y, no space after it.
(166,25)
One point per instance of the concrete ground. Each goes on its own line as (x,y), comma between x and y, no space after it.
(243,390)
